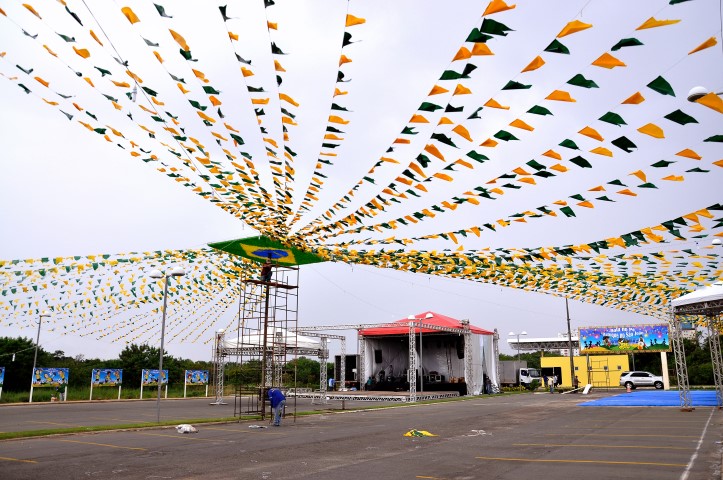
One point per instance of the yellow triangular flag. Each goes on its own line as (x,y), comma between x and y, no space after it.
(351,20)
(592,133)
(462,54)
(634,99)
(707,44)
(688,153)
(520,124)
(461,90)
(652,23)
(573,27)
(534,65)
(560,96)
(608,61)
(712,101)
(652,130)
(497,6)
(492,103)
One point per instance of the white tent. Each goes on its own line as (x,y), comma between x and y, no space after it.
(274,337)
(706,300)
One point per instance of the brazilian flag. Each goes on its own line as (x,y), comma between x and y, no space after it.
(263,248)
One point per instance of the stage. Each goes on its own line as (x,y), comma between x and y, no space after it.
(373,396)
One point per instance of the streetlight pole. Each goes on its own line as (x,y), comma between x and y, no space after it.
(42,314)
(157,274)
(517,368)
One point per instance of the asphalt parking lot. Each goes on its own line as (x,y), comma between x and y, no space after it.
(501,437)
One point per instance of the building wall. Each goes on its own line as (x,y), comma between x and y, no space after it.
(602,370)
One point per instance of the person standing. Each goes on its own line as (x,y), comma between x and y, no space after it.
(553,381)
(266,271)
(277,401)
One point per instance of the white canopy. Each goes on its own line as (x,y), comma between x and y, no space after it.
(707,294)
(278,336)
(709,299)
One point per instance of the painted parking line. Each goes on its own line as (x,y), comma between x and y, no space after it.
(10,459)
(101,444)
(596,462)
(184,437)
(264,431)
(611,435)
(598,446)
(430,478)
(55,423)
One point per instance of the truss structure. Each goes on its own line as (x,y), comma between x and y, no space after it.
(715,354)
(681,368)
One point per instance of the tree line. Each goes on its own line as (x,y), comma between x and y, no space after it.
(16,355)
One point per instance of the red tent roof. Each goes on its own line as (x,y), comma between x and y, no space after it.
(435,319)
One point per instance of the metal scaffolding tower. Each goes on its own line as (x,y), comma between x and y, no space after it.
(715,355)
(681,368)
(218,367)
(263,347)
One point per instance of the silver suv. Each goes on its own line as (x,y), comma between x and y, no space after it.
(641,379)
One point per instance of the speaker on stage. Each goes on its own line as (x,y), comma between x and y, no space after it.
(460,348)
(377,356)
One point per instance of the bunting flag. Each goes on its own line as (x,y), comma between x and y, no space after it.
(577,124)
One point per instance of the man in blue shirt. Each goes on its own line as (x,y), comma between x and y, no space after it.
(277,400)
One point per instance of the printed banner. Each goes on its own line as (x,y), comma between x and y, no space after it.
(107,377)
(150,377)
(2,376)
(624,339)
(50,377)
(196,377)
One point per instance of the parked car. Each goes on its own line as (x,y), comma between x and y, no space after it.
(641,379)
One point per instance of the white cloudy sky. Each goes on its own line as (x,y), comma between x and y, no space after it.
(65,191)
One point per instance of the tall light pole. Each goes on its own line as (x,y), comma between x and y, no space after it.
(517,368)
(157,274)
(42,314)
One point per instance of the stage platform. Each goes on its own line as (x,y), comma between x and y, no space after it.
(374,396)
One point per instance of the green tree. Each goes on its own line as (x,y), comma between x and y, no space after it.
(18,371)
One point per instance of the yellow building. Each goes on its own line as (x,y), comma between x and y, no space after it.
(599,370)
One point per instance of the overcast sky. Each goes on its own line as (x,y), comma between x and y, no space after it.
(65,191)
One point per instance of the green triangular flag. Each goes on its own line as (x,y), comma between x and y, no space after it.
(557,47)
(494,28)
(613,118)
(714,138)
(626,42)
(680,117)
(661,86)
(581,162)
(505,136)
(580,81)
(476,36)
(428,107)
(662,164)
(623,143)
(567,143)
(538,110)
(512,85)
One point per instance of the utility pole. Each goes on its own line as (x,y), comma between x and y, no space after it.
(569,345)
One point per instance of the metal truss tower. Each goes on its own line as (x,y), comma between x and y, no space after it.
(681,368)
(715,355)
(219,363)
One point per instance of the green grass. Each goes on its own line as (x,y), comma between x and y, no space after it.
(125,426)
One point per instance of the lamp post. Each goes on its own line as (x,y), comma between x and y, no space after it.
(157,274)
(517,368)
(42,314)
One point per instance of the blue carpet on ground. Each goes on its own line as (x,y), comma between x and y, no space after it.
(655,398)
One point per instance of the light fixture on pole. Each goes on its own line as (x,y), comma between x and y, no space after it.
(696,93)
(42,314)
(517,368)
(157,274)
